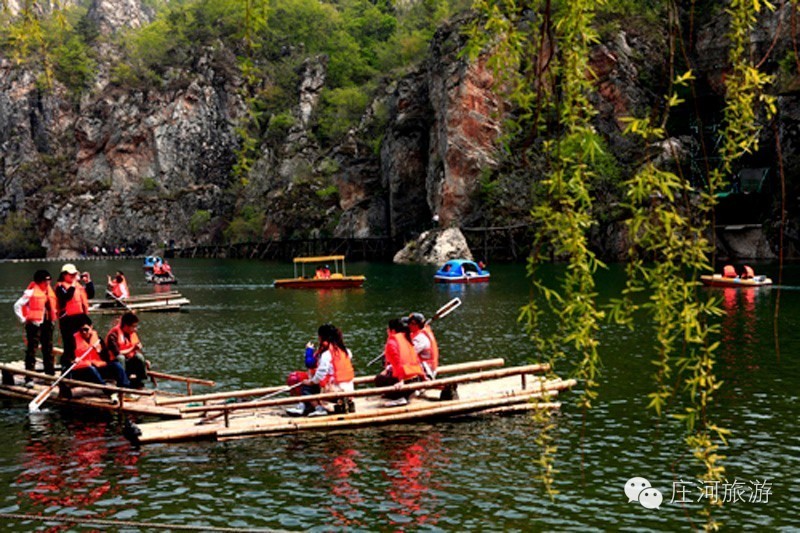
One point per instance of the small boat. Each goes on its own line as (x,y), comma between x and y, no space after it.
(323,277)
(503,390)
(150,261)
(461,271)
(162,301)
(718,280)
(95,397)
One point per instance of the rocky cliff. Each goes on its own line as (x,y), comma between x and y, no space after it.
(138,167)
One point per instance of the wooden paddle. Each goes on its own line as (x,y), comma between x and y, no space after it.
(266,397)
(443,311)
(42,397)
(119,301)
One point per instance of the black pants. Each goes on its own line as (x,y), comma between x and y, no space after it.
(68,326)
(36,336)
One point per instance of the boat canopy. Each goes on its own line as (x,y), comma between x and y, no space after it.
(319,259)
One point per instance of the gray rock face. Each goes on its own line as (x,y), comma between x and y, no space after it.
(435,247)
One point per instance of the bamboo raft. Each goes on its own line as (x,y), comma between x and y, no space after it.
(164,301)
(94,396)
(485,391)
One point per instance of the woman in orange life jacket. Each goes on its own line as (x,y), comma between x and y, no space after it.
(748,273)
(36,309)
(333,373)
(123,345)
(92,363)
(118,286)
(402,363)
(72,296)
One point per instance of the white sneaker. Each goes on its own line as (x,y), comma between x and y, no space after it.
(319,411)
(396,403)
(114,398)
(297,410)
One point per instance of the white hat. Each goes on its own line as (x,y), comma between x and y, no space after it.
(69,268)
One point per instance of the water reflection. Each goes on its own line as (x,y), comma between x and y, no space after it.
(414,466)
(71,471)
(340,467)
(739,340)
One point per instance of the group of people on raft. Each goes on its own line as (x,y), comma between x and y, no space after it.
(410,355)
(86,357)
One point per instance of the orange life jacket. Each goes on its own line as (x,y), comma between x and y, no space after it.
(728,271)
(342,366)
(120,289)
(81,347)
(433,358)
(34,310)
(404,360)
(123,341)
(748,272)
(78,304)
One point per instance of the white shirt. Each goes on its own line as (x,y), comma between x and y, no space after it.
(422,345)
(22,302)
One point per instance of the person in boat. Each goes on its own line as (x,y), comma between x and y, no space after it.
(72,299)
(425,344)
(92,363)
(748,272)
(37,310)
(402,363)
(728,271)
(124,346)
(326,272)
(333,372)
(118,286)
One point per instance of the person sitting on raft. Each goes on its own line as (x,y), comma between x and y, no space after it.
(424,344)
(123,345)
(92,363)
(402,364)
(748,272)
(118,286)
(729,272)
(334,372)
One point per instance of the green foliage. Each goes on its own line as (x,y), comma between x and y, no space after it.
(328,192)
(18,237)
(279,125)
(340,109)
(247,226)
(199,221)
(73,65)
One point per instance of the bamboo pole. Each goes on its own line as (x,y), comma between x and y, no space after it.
(444,369)
(179,430)
(73,382)
(310,424)
(436,383)
(184,379)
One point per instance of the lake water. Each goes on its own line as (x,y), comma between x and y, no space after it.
(474,474)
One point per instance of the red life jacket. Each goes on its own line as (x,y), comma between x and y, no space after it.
(433,358)
(78,304)
(81,347)
(728,271)
(34,310)
(402,357)
(120,289)
(123,341)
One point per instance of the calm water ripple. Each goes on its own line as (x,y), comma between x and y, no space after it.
(470,474)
